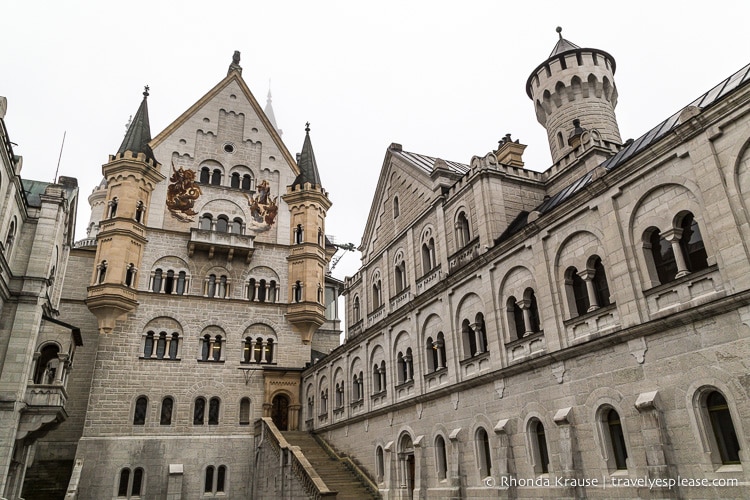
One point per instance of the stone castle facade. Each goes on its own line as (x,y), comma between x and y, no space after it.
(581,332)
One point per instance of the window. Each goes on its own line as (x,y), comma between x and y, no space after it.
(577,286)
(211,348)
(441,458)
(47,365)
(215,480)
(298,291)
(321,238)
(356,309)
(235,182)
(616,439)
(400,275)
(167,404)
(130,485)
(723,434)
(222,224)
(298,234)
(601,288)
(130,275)
(139,415)
(258,350)
(436,353)
(246,182)
(161,345)
(378,378)
(113,207)
(199,411)
(216,177)
(428,255)
(205,175)
(324,402)
(205,222)
(463,235)
(217,286)
(339,394)
(213,411)
(539,447)
(140,209)
(245,411)
(157,281)
(10,237)
(380,463)
(474,337)
(484,457)
(377,292)
(101,271)
(405,367)
(396,210)
(235,226)
(677,252)
(523,315)
(560,140)
(169,282)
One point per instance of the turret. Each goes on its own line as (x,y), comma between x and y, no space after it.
(308,203)
(576,83)
(130,176)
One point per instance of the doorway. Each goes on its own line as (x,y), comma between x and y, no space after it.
(280,412)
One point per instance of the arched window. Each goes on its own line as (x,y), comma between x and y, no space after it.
(469,339)
(236,226)
(396,210)
(428,255)
(441,458)
(130,275)
(139,415)
(199,411)
(377,293)
(181,282)
(400,275)
(577,287)
(47,365)
(167,405)
(401,368)
(216,354)
(223,288)
(235,182)
(463,234)
(539,447)
(205,222)
(221,474)
(148,345)
(247,182)
(298,234)
(380,463)
(601,288)
(208,486)
(216,177)
(113,207)
(140,209)
(11,236)
(616,439)
(213,411)
(102,271)
(722,428)
(157,281)
(376,387)
(321,238)
(691,244)
(161,345)
(245,411)
(484,456)
(205,175)
(122,487)
(339,394)
(211,285)
(515,318)
(560,140)
(662,256)
(174,346)
(169,282)
(130,487)
(222,224)
(356,309)
(298,291)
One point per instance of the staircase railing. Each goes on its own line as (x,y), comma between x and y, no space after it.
(349,464)
(311,482)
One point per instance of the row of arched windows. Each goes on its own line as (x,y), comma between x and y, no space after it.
(204,411)
(139,214)
(717,420)
(221,224)
(215,177)
(219,286)
(130,482)
(167,346)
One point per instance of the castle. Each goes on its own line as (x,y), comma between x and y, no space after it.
(582,332)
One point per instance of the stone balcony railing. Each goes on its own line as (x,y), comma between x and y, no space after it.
(376,316)
(464,256)
(52,395)
(593,324)
(683,293)
(229,244)
(525,347)
(428,280)
(400,299)
(45,410)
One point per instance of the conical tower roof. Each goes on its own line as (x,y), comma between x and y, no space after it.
(308,168)
(139,133)
(268,110)
(562,44)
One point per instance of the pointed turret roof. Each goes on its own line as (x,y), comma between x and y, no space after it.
(308,168)
(562,44)
(139,133)
(268,110)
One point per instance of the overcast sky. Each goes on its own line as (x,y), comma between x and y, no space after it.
(446,79)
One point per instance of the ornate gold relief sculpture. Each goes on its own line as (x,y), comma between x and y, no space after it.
(263,208)
(182,193)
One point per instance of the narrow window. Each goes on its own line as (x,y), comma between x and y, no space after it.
(113,207)
(181,278)
(663,257)
(208,486)
(601,288)
(441,459)
(137,482)
(139,209)
(298,292)
(432,355)
(213,411)
(130,275)
(222,224)
(205,222)
(205,175)
(396,210)
(221,474)
(139,416)
(356,310)
(463,235)
(102,271)
(199,411)
(691,244)
(211,290)
(262,291)
(217,348)
(156,285)
(298,234)
(617,440)
(483,453)
(723,428)
(236,226)
(380,463)
(258,350)
(166,411)
(169,282)
(161,345)
(580,294)
(122,488)
(245,411)
(470,340)
(269,350)
(148,345)
(47,365)
(540,445)
(246,182)
(174,346)
(235,183)
(216,177)
(222,291)
(206,347)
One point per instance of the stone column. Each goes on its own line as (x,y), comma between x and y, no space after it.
(525,306)
(587,275)
(673,236)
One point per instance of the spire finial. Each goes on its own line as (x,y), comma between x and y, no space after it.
(145,91)
(307,127)
(559,31)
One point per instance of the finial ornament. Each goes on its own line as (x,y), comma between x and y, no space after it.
(307,127)
(145,91)
(559,31)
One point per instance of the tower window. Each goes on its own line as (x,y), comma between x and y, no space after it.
(216,177)
(139,416)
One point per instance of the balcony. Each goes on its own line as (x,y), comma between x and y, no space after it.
(428,280)
(45,410)
(526,347)
(400,299)
(376,316)
(464,256)
(229,244)
(686,292)
(475,364)
(592,325)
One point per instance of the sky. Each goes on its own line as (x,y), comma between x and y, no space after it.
(442,78)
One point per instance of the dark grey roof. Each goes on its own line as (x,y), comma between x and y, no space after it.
(633,148)
(139,133)
(563,45)
(33,191)
(308,167)
(427,162)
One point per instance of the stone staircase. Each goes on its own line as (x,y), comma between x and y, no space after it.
(335,473)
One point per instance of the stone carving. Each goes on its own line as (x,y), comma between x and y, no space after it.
(182,193)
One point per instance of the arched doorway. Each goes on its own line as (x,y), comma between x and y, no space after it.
(280,412)
(407,465)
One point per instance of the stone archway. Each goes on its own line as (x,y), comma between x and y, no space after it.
(280,412)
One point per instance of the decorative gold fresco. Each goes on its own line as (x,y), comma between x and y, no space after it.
(182,193)
(263,208)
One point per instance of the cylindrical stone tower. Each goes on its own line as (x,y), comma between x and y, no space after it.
(575,83)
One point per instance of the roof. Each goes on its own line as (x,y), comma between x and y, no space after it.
(427,163)
(139,133)
(33,191)
(562,45)
(308,167)
(633,148)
